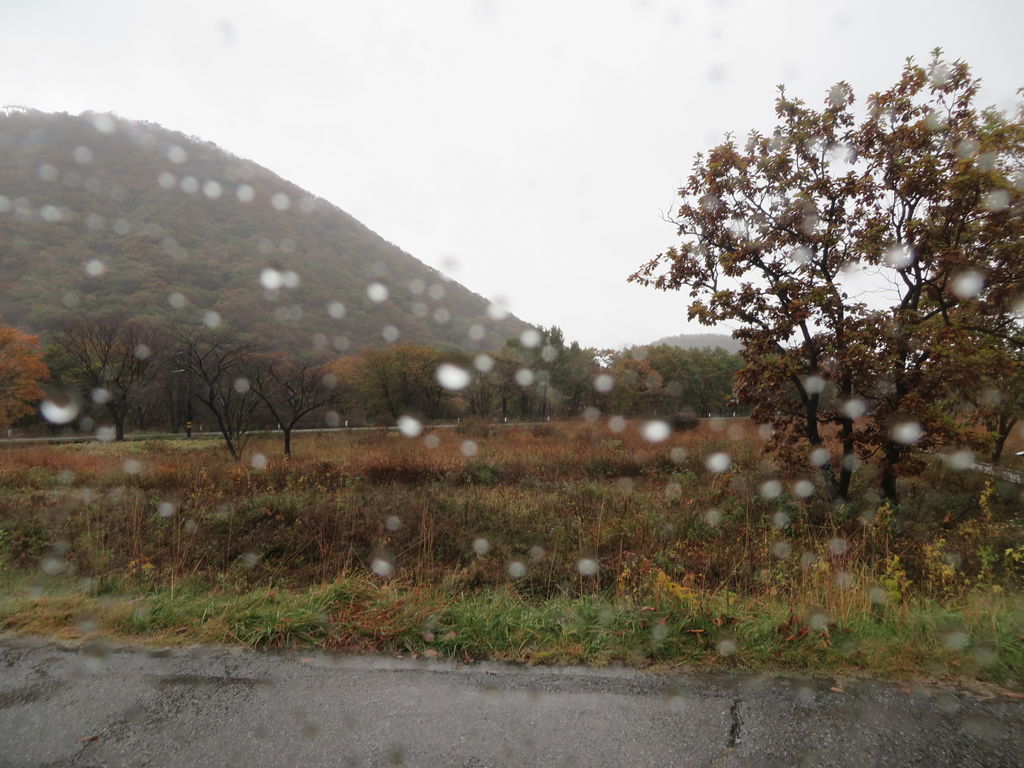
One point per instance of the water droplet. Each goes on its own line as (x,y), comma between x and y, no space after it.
(968,285)
(469,448)
(497,311)
(131,466)
(803,489)
(814,385)
(381,567)
(103,123)
(166,180)
(587,566)
(530,338)
(781,549)
(483,363)
(142,351)
(712,517)
(431,441)
(436,292)
(961,460)
(616,423)
(58,414)
(481,546)
(906,432)
(818,620)
(770,489)
(819,457)
(854,408)
(241,385)
(176,154)
(377,292)
(47,172)
(280,201)
(50,213)
(453,377)
(604,382)
(878,596)
(389,333)
(800,255)
(517,569)
(996,200)
(212,189)
(898,257)
(726,647)
(177,300)
(409,426)
(525,377)
(780,520)
(258,461)
(101,396)
(211,319)
(166,509)
(677,455)
(957,640)
(105,434)
(477,332)
(95,268)
(393,523)
(271,279)
(838,546)
(656,431)
(189,185)
(442,315)
(718,462)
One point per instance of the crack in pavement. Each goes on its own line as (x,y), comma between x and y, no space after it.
(737,723)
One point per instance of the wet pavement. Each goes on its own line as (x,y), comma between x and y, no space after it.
(102,706)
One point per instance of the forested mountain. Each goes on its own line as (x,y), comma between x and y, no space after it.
(101,215)
(701,341)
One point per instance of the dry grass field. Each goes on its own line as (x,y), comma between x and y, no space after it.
(563,541)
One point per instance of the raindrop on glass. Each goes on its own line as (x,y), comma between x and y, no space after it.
(377,292)
(452,377)
(656,431)
(718,462)
(58,414)
(409,426)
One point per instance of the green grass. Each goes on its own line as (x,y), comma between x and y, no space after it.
(979,638)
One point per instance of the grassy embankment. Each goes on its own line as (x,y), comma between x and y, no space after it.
(376,541)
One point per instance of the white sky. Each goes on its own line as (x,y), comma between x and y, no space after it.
(528,149)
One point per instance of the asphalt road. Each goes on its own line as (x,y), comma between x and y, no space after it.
(100,706)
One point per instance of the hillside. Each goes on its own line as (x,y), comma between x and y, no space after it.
(103,215)
(701,341)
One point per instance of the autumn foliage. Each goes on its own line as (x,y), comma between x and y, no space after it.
(21,371)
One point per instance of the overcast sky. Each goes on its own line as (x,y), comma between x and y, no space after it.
(527,149)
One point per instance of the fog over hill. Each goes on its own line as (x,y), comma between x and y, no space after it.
(701,341)
(102,215)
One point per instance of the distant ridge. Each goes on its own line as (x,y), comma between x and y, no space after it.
(102,215)
(701,341)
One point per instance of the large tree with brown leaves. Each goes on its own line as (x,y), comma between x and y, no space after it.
(872,260)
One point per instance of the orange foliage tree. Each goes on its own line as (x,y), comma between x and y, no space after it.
(21,370)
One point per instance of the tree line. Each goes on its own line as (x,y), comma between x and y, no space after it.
(116,374)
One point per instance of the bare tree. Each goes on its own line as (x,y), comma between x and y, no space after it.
(221,366)
(113,358)
(291,390)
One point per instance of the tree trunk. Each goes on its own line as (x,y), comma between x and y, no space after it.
(1006,425)
(287,441)
(888,482)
